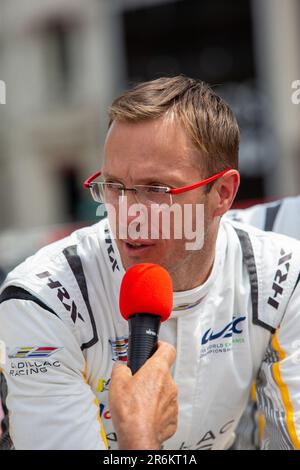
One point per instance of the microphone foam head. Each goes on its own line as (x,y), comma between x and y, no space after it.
(146,288)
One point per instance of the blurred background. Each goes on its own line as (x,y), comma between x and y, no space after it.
(63,61)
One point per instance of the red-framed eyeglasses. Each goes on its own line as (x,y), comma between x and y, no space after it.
(113,193)
(91,180)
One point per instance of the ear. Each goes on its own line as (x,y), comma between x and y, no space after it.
(225,190)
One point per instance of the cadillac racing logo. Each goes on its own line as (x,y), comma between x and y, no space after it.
(36,360)
(19,368)
(119,348)
(32,352)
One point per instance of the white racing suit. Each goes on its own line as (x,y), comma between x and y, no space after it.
(60,320)
(281,216)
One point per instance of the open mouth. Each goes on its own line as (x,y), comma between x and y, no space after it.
(137,247)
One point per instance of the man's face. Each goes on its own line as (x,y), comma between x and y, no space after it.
(156,152)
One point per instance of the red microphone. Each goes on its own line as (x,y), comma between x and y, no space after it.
(146,299)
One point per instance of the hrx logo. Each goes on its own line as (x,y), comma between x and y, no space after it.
(280,278)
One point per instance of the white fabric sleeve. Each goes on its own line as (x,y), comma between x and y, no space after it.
(278,385)
(51,406)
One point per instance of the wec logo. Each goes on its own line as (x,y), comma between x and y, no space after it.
(227,332)
(2,92)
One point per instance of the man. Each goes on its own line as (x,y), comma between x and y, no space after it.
(236,300)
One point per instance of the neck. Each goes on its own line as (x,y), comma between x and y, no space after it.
(195,269)
(187,276)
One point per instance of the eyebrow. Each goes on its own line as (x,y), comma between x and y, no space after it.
(144,180)
(108,175)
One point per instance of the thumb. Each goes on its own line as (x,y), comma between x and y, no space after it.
(120,376)
(165,352)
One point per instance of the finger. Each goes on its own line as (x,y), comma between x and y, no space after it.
(169,416)
(121,374)
(170,412)
(165,351)
(168,432)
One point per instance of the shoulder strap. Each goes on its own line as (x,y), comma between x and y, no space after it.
(14,292)
(273,268)
(249,260)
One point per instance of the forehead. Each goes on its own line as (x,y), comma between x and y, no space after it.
(161,143)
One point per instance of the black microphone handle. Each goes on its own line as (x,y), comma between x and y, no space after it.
(142,340)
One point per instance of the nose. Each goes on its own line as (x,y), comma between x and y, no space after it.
(133,214)
(129,196)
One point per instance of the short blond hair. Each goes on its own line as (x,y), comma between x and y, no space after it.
(205,116)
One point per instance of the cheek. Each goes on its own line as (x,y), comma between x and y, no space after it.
(112,214)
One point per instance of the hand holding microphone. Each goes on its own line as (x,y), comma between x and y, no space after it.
(144,406)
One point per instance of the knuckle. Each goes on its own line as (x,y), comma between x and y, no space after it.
(162,368)
(172,350)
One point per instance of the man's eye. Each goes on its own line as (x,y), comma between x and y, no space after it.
(161,185)
(155,189)
(114,186)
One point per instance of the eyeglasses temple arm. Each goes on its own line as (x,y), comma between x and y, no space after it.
(197,185)
(87,182)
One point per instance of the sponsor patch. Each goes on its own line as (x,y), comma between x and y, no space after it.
(42,351)
(234,327)
(224,340)
(119,348)
(280,278)
(210,437)
(104,411)
(111,251)
(20,368)
(103,385)
(62,294)
(188,306)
